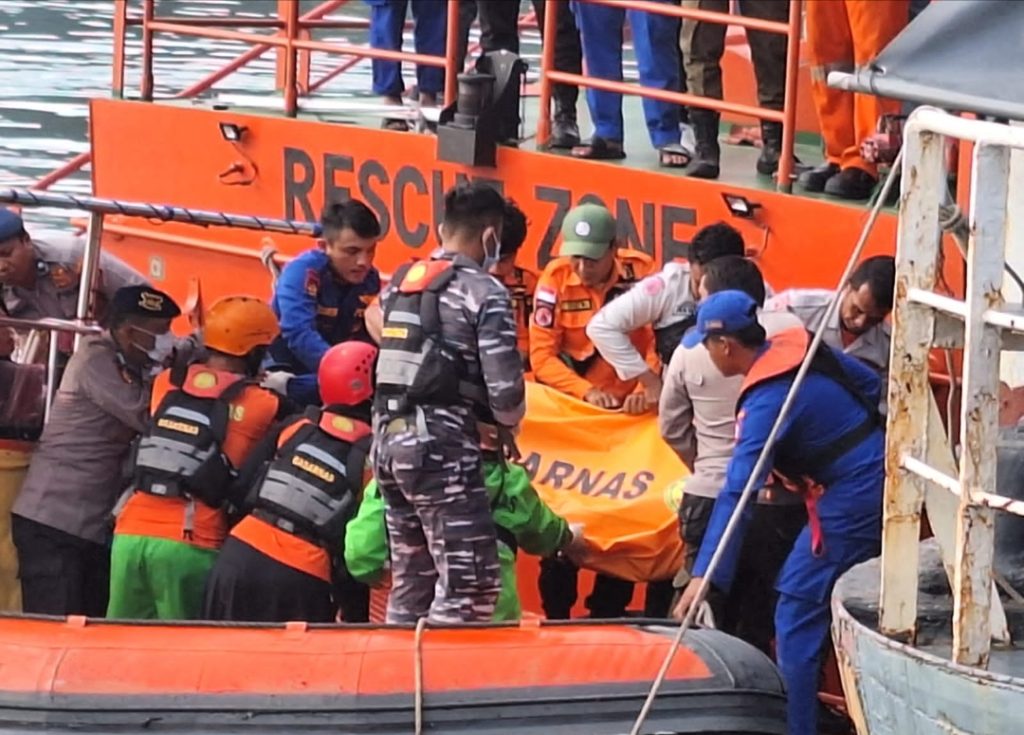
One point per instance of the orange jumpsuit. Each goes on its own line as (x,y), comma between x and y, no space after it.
(561,354)
(840,35)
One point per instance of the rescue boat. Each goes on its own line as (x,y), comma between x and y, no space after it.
(574,678)
(281,156)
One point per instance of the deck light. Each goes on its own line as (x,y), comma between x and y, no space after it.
(740,206)
(231,132)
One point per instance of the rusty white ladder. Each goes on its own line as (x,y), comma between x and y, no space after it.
(920,466)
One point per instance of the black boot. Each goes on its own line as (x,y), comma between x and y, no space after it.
(771,148)
(851,183)
(565,133)
(815,179)
(705,128)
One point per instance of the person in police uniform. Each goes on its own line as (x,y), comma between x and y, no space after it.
(321,299)
(40,278)
(444,552)
(696,417)
(859,326)
(667,301)
(61,519)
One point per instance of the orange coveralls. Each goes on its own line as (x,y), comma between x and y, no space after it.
(840,35)
(561,354)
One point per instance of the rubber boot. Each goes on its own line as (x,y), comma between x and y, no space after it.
(771,148)
(705,127)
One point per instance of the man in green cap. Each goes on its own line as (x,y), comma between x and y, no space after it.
(592,270)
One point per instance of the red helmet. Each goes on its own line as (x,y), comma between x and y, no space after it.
(346,373)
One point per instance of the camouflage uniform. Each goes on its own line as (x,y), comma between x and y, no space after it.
(444,556)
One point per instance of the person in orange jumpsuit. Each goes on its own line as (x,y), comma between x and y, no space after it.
(521,282)
(842,34)
(205,423)
(591,271)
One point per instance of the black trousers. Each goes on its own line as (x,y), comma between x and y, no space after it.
(748,609)
(60,574)
(246,585)
(499,29)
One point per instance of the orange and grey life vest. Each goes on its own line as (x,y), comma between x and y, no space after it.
(415,366)
(311,488)
(181,452)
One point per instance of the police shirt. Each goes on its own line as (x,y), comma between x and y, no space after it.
(75,476)
(810,304)
(58,272)
(697,410)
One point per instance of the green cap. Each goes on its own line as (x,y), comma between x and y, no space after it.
(587,231)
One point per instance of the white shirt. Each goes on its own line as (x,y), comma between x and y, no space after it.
(660,300)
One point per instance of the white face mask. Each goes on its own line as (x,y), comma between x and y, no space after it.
(491,259)
(163,347)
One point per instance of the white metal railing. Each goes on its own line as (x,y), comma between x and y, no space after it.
(978,614)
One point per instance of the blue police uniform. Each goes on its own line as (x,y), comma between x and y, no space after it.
(832,437)
(387,23)
(656,44)
(316,310)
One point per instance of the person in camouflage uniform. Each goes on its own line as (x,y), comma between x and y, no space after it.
(448,358)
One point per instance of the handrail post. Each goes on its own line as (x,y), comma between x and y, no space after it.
(90,266)
(288,11)
(784,180)
(146,85)
(451,52)
(120,25)
(547,63)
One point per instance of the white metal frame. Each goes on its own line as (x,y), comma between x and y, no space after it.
(912,455)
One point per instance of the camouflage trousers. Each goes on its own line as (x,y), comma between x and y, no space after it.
(444,552)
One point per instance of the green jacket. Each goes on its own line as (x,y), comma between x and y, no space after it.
(517,508)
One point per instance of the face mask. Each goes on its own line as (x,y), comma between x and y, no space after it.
(162,349)
(491,259)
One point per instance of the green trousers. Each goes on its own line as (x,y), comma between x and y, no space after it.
(157,579)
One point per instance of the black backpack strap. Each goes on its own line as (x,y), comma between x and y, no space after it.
(355,464)
(430,302)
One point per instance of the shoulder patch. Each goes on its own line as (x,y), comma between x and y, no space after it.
(739,424)
(654,285)
(63,277)
(312,283)
(546,296)
(543,315)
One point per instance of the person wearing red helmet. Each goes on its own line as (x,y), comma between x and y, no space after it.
(305,482)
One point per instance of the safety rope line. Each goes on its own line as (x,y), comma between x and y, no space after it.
(162,212)
(421,625)
(769,445)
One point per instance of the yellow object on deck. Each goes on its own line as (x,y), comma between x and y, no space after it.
(14,460)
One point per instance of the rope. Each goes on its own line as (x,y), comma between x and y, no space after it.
(769,445)
(421,625)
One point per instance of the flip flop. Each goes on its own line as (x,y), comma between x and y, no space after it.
(599,149)
(674,149)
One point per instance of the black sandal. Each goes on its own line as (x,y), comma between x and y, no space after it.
(599,149)
(675,149)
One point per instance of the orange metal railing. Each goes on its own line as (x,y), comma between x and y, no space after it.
(292,42)
(549,76)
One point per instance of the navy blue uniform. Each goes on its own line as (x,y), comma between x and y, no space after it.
(845,526)
(317,310)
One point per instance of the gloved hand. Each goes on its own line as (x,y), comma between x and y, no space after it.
(277,381)
(578,548)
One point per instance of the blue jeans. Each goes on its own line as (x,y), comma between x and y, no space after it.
(387,21)
(656,42)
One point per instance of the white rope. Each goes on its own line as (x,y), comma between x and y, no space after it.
(421,625)
(769,444)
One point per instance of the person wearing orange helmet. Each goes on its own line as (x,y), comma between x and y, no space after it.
(304,483)
(206,419)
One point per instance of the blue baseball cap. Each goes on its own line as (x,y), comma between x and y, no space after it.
(11,224)
(725,312)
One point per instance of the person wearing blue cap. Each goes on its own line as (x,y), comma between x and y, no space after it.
(321,299)
(40,278)
(61,519)
(830,450)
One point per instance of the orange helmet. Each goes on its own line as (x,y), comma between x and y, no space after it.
(346,374)
(236,325)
